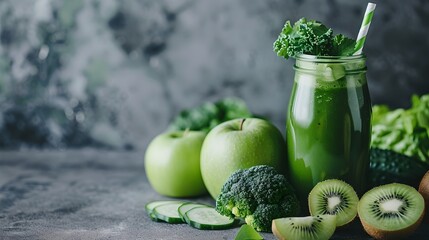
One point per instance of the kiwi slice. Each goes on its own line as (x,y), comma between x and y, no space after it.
(334,197)
(391,211)
(304,228)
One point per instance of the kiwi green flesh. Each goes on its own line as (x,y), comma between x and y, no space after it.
(305,228)
(334,197)
(391,207)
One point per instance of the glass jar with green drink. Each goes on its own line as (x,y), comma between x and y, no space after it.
(328,122)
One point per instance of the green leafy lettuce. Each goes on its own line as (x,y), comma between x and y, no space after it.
(311,37)
(404,131)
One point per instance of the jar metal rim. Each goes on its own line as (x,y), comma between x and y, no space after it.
(342,60)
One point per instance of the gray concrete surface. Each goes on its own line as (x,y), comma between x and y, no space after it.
(92,194)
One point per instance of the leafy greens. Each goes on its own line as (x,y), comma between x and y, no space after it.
(404,131)
(311,37)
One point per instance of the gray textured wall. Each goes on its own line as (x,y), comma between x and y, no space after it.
(113,73)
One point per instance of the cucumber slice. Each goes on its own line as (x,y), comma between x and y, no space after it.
(168,212)
(188,206)
(153,217)
(150,206)
(207,218)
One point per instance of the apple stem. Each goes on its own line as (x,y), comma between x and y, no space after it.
(241,123)
(186,132)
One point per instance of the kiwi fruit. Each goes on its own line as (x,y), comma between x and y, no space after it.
(334,197)
(319,227)
(424,188)
(391,211)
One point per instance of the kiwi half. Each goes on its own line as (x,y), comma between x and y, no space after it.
(391,211)
(334,197)
(424,188)
(304,228)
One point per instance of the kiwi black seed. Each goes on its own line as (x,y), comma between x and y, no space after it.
(319,227)
(391,211)
(334,197)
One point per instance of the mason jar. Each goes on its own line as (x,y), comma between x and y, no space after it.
(329,122)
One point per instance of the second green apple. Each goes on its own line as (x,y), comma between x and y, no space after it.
(240,144)
(172,164)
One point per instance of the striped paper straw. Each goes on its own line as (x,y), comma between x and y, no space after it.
(360,41)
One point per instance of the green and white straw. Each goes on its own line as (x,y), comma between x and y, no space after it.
(360,41)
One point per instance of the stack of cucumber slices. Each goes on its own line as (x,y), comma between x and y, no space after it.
(389,211)
(197,215)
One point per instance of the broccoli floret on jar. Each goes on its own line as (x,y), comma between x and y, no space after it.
(259,195)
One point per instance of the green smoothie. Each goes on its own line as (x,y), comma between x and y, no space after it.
(328,122)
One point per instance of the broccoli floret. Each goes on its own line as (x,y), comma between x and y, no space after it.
(259,195)
(209,115)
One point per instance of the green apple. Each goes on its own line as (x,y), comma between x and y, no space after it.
(240,144)
(172,164)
